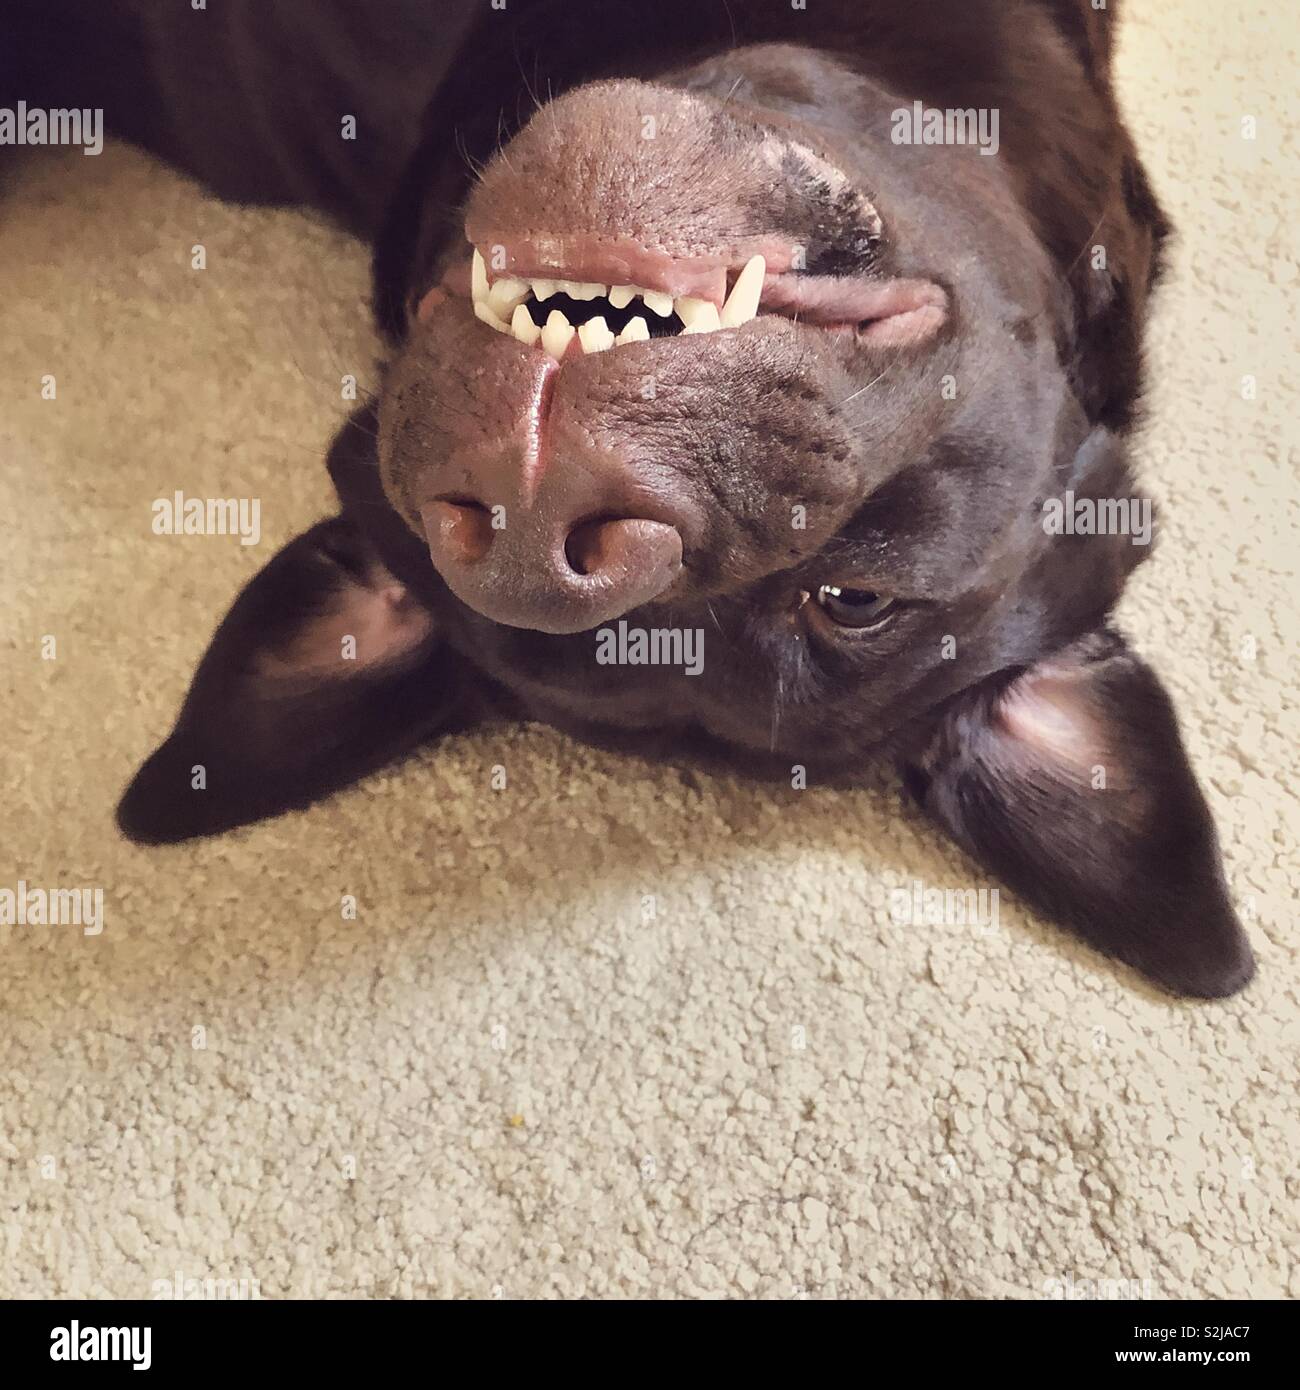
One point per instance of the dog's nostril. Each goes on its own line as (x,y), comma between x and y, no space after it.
(587,548)
(529,577)
(464,526)
(625,553)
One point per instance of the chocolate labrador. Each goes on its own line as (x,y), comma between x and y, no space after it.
(761,382)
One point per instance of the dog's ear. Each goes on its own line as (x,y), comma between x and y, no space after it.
(1071,784)
(325,669)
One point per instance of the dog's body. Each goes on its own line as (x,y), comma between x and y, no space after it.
(843,492)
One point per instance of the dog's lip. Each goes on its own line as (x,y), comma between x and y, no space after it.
(895,313)
(834,300)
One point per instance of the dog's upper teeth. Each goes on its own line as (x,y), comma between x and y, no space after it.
(661,304)
(557,335)
(485,311)
(742,305)
(698,315)
(505,294)
(620,296)
(544,289)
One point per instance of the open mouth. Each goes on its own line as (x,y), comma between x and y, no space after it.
(563,317)
(556,314)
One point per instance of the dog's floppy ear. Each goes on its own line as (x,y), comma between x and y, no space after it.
(325,668)
(1071,784)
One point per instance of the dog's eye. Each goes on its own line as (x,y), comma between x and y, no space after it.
(856,608)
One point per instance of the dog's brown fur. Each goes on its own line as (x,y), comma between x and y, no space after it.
(1021,721)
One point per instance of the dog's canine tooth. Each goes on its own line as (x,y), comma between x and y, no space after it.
(742,304)
(478,276)
(703,320)
(637,331)
(543,289)
(523,327)
(661,304)
(594,335)
(557,335)
(484,311)
(505,294)
(620,296)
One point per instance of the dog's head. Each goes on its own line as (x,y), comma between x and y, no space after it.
(727,357)
(818,368)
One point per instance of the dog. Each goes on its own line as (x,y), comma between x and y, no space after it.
(761,386)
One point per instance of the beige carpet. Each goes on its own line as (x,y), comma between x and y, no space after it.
(506,1076)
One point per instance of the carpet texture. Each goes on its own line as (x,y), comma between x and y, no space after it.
(613,1030)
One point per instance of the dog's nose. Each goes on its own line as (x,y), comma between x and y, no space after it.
(541,569)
